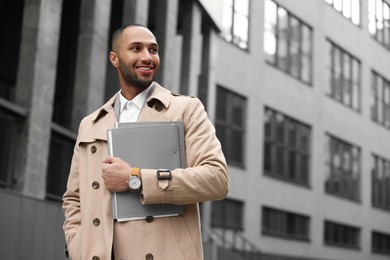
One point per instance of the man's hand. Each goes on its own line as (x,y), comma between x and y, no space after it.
(115,173)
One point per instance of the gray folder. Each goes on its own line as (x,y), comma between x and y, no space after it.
(148,145)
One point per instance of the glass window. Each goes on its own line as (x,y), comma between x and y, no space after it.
(380,242)
(230,125)
(235,22)
(286,148)
(343,169)
(379,21)
(341,235)
(227,214)
(276,222)
(350,9)
(380,100)
(345,77)
(381,182)
(287,42)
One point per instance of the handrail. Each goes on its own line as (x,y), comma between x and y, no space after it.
(237,243)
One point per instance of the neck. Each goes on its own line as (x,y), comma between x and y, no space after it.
(130,92)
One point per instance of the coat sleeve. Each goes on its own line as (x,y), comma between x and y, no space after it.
(206,176)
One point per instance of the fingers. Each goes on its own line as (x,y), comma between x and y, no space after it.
(109,159)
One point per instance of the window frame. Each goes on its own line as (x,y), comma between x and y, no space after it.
(340,7)
(343,77)
(380,242)
(380,108)
(280,143)
(285,224)
(338,180)
(285,40)
(222,217)
(229,32)
(376,20)
(227,129)
(350,235)
(380,187)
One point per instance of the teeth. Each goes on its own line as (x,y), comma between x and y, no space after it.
(144,68)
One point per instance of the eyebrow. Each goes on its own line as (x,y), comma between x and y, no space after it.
(143,43)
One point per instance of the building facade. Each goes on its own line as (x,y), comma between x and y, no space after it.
(299,92)
(303,113)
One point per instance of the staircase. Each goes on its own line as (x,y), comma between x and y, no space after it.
(231,245)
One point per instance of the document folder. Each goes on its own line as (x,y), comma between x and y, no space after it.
(148,145)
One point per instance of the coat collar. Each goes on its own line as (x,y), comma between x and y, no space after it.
(158,99)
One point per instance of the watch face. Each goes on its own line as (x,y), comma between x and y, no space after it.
(134,183)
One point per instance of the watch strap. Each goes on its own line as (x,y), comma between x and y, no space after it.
(135,171)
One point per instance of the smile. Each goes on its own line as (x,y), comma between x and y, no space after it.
(145,68)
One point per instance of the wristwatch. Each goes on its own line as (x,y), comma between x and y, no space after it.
(134,180)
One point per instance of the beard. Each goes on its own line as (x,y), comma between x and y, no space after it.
(131,78)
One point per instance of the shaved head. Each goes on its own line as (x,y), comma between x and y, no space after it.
(117,35)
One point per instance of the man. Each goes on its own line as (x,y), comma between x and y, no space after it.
(90,231)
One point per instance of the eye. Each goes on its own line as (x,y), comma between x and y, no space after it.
(153,50)
(134,48)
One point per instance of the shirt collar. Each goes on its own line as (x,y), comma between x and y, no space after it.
(138,100)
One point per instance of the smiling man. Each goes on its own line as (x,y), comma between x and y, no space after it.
(90,230)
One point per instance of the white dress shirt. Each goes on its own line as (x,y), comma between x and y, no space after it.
(130,109)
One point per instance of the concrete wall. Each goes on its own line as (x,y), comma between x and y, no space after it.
(30,228)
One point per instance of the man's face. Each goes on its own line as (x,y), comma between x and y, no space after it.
(137,54)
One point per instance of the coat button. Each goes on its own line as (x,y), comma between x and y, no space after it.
(96,222)
(93,149)
(149,219)
(149,256)
(95,185)
(158,108)
(95,258)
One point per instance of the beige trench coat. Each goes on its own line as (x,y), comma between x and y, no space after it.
(88,222)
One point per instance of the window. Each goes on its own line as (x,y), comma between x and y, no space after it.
(380,109)
(227,214)
(285,224)
(11,24)
(379,21)
(341,235)
(344,77)
(286,147)
(60,157)
(287,42)
(350,9)
(381,182)
(380,243)
(235,24)
(230,125)
(342,169)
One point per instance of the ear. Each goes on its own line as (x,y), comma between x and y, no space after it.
(114,59)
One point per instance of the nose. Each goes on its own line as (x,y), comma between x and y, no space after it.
(146,57)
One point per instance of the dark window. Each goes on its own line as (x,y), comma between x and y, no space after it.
(8,135)
(379,21)
(230,125)
(286,147)
(227,214)
(285,224)
(287,42)
(342,169)
(380,243)
(60,156)
(380,109)
(11,17)
(66,63)
(235,22)
(381,182)
(350,9)
(344,77)
(341,235)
